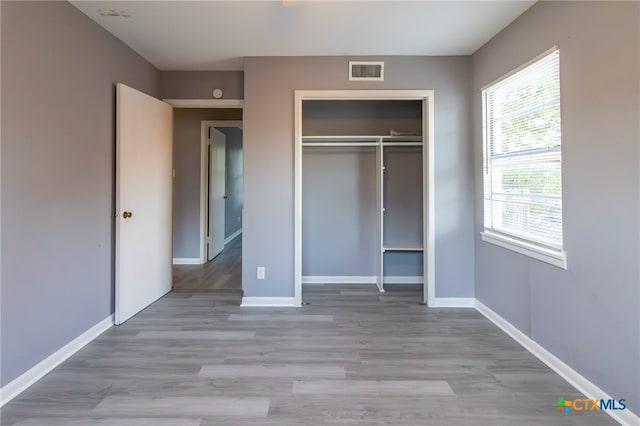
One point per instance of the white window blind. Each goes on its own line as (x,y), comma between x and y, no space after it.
(522,156)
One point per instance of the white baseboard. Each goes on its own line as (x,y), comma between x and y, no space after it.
(334,279)
(232,236)
(452,302)
(360,279)
(186,261)
(38,371)
(578,381)
(251,302)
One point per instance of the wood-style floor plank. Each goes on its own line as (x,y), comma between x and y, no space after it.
(280,317)
(373,387)
(236,371)
(138,421)
(179,406)
(199,335)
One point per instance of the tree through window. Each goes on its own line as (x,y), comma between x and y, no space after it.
(522,155)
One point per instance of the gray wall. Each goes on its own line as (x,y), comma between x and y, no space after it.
(339,212)
(200,84)
(268,154)
(588,315)
(186,185)
(403,195)
(57,175)
(233,180)
(363,117)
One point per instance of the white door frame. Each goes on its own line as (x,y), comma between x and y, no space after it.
(428,175)
(204,184)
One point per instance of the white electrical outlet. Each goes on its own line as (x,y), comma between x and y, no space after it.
(260,271)
(238,219)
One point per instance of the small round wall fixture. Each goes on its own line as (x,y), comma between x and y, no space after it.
(217,93)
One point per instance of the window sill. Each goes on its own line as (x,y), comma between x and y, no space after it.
(528,249)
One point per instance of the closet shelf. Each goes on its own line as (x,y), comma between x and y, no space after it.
(340,138)
(316,140)
(401,143)
(404,246)
(397,139)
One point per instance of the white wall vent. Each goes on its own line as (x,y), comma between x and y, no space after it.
(366,71)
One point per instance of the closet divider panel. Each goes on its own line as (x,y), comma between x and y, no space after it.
(403,267)
(380,216)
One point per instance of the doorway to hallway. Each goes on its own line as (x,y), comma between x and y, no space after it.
(208,200)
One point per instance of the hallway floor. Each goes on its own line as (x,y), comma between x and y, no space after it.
(224,272)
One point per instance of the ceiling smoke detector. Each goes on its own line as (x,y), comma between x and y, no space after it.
(114,13)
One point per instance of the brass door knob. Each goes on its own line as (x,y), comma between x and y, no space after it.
(126,215)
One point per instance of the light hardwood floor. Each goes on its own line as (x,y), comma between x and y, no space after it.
(353,356)
(222,273)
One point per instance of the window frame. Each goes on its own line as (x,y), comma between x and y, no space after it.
(517,243)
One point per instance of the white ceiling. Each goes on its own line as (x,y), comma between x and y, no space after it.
(217,35)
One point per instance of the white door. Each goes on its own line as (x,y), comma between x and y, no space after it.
(143,201)
(216,203)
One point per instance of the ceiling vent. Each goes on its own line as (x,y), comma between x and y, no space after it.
(366,71)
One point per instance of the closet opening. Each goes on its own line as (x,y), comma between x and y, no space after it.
(364,197)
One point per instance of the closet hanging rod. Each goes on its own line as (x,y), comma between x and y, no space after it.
(402,143)
(343,144)
(343,137)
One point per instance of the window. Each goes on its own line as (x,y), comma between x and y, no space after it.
(522,161)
